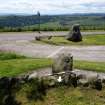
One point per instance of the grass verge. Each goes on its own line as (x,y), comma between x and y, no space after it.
(10,55)
(19,66)
(12,64)
(87,40)
(89,65)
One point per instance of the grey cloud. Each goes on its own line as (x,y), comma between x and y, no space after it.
(48,6)
(99,4)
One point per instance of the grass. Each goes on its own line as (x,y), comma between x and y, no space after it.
(19,66)
(64,96)
(10,55)
(89,65)
(87,40)
(12,64)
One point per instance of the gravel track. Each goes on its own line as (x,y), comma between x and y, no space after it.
(89,53)
(19,43)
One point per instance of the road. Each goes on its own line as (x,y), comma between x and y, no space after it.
(89,53)
(20,43)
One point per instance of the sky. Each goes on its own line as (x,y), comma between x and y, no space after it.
(52,6)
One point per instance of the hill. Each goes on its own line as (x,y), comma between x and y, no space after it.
(92,20)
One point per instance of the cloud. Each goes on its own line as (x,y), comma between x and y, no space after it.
(52,6)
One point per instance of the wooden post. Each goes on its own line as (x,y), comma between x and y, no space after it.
(38,13)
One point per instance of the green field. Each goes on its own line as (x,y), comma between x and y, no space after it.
(87,40)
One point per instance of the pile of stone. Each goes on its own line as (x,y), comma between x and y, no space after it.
(62,73)
(62,69)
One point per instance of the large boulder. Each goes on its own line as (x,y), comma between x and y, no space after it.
(75,34)
(62,63)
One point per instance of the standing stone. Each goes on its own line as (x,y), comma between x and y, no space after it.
(75,34)
(62,63)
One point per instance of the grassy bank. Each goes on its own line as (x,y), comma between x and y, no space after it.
(87,40)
